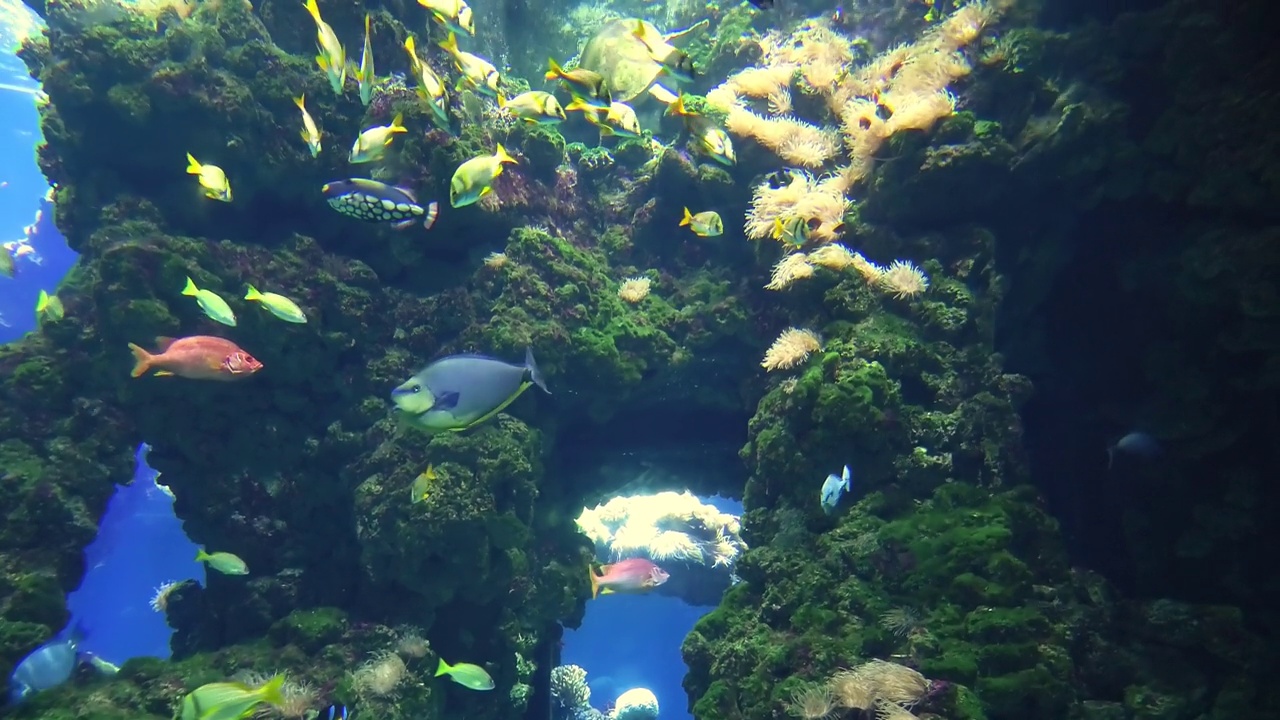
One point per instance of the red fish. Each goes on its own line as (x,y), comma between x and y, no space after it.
(199,357)
(636,575)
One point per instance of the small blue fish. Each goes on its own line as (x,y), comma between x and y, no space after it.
(335,712)
(48,666)
(1138,444)
(834,488)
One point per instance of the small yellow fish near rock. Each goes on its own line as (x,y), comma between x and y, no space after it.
(474,178)
(310,133)
(212,179)
(211,303)
(477,73)
(535,106)
(279,305)
(472,677)
(230,700)
(223,562)
(704,224)
(365,75)
(454,15)
(333,57)
(430,87)
(422,484)
(49,307)
(373,142)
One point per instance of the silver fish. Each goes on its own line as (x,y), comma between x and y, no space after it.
(461,391)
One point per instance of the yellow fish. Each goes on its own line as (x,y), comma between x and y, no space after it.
(364,74)
(454,15)
(794,230)
(477,73)
(431,88)
(583,84)
(422,484)
(223,562)
(230,700)
(310,133)
(333,57)
(474,178)
(49,307)
(704,224)
(534,106)
(673,60)
(212,179)
(211,303)
(373,142)
(620,119)
(278,305)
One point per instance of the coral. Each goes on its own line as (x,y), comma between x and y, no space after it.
(569,687)
(790,268)
(635,704)
(635,289)
(379,676)
(902,280)
(812,703)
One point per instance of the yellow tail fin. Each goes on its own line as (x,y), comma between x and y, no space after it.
(314,9)
(397,123)
(553,69)
(503,157)
(141,360)
(191,288)
(688,218)
(272,693)
(450,44)
(442,668)
(595,583)
(253,294)
(193,165)
(301,101)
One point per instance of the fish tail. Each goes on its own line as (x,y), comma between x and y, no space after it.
(141,360)
(553,69)
(273,692)
(42,301)
(201,555)
(450,44)
(443,668)
(535,376)
(314,9)
(503,157)
(432,212)
(301,101)
(190,288)
(397,124)
(366,27)
(252,293)
(193,165)
(502,101)
(412,46)
(688,218)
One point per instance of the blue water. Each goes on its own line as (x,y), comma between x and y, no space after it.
(630,641)
(140,545)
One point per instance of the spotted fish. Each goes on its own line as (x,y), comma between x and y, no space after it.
(372,201)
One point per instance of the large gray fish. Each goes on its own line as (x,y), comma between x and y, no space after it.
(461,391)
(372,201)
(48,666)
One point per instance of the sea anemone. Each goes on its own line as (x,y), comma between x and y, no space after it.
(410,643)
(852,690)
(160,602)
(812,703)
(886,710)
(895,683)
(791,348)
(495,260)
(635,289)
(902,280)
(900,621)
(674,545)
(297,697)
(380,675)
(789,269)
(833,256)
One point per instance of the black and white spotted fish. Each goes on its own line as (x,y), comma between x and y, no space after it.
(372,201)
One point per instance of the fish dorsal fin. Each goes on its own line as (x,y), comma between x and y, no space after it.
(413,197)
(680,37)
(163,342)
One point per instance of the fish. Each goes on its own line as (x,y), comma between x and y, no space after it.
(333,57)
(583,84)
(223,562)
(49,307)
(310,133)
(211,303)
(474,178)
(230,700)
(212,179)
(461,391)
(634,575)
(373,201)
(334,712)
(794,230)
(373,142)
(1137,444)
(453,15)
(431,88)
(46,667)
(620,119)
(7,266)
(674,61)
(365,75)
(198,357)
(477,73)
(834,487)
(278,305)
(714,142)
(704,224)
(472,677)
(422,484)
(535,106)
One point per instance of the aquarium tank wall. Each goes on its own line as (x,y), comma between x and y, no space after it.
(630,360)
